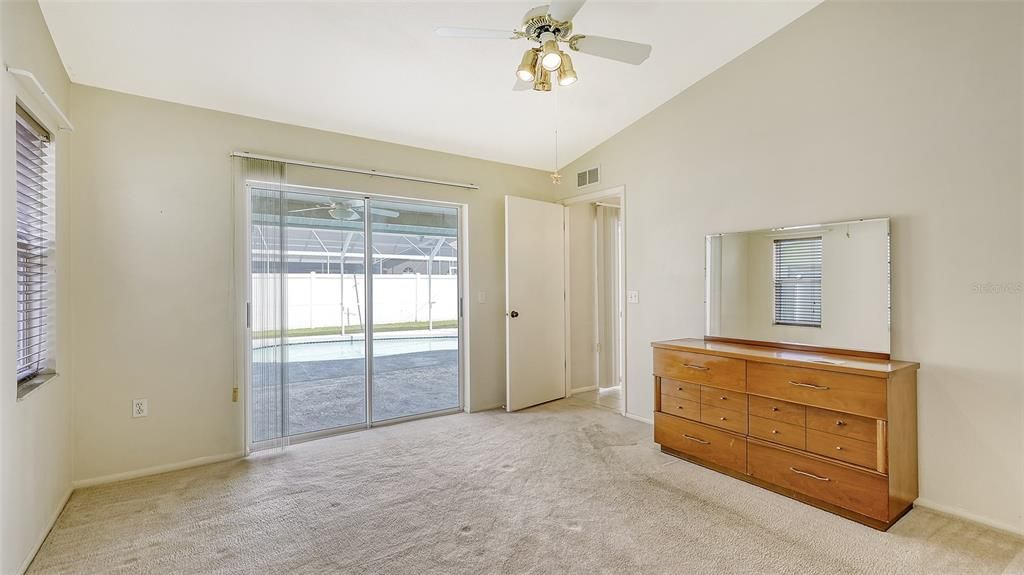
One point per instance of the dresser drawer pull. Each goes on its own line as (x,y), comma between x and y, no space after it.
(722,397)
(775,432)
(698,367)
(697,439)
(839,448)
(840,422)
(810,385)
(807,474)
(775,409)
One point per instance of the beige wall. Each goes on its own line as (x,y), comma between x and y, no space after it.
(606,226)
(582,321)
(911,110)
(35,433)
(153,275)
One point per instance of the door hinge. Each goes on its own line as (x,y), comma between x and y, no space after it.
(234,394)
(248,315)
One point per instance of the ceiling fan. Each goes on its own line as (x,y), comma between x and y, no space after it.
(548,26)
(347,211)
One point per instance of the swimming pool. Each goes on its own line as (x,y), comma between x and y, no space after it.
(354,348)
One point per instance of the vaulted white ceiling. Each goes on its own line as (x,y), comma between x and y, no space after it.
(376,70)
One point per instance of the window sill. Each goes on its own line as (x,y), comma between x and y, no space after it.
(28,386)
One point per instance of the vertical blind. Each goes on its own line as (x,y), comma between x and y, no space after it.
(797,279)
(34,212)
(267,396)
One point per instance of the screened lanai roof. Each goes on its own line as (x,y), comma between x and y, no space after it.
(399,230)
(323,245)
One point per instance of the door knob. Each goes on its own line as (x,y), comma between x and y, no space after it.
(514,314)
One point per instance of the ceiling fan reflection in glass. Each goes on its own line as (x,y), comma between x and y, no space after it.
(348,211)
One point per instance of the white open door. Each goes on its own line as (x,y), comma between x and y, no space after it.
(534,302)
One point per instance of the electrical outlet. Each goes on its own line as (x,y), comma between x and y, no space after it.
(140,407)
(632,296)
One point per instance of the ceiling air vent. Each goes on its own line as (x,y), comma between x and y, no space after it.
(588,177)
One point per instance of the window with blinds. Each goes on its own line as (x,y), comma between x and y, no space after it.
(35,238)
(797,281)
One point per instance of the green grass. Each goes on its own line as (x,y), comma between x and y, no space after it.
(336,330)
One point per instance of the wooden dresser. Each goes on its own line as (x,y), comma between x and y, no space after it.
(836,431)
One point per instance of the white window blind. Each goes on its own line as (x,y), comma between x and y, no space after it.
(797,279)
(35,238)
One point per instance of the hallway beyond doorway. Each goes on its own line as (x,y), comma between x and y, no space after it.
(607,398)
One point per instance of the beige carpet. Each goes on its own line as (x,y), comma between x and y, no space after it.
(564,488)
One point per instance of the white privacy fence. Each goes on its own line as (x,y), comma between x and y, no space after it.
(322,300)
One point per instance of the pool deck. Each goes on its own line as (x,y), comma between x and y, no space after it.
(327,394)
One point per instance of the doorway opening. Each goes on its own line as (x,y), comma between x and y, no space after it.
(595,280)
(354,312)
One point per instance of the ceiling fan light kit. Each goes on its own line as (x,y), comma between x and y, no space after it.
(552,55)
(542,83)
(548,26)
(528,65)
(566,73)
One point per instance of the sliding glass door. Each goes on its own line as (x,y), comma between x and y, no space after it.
(336,344)
(415,345)
(325,294)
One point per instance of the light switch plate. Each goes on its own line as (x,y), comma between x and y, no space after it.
(632,296)
(481,296)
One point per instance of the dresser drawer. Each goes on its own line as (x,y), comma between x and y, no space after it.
(723,398)
(839,391)
(842,448)
(718,447)
(680,389)
(777,410)
(845,424)
(721,372)
(681,407)
(778,432)
(858,491)
(726,419)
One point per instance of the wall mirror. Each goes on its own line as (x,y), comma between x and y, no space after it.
(824,285)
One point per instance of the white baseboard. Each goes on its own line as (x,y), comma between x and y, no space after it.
(648,421)
(485,408)
(574,391)
(45,532)
(967,516)
(80,483)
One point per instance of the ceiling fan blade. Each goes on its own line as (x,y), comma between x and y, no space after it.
(564,10)
(621,50)
(344,214)
(309,209)
(481,33)
(521,86)
(385,213)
